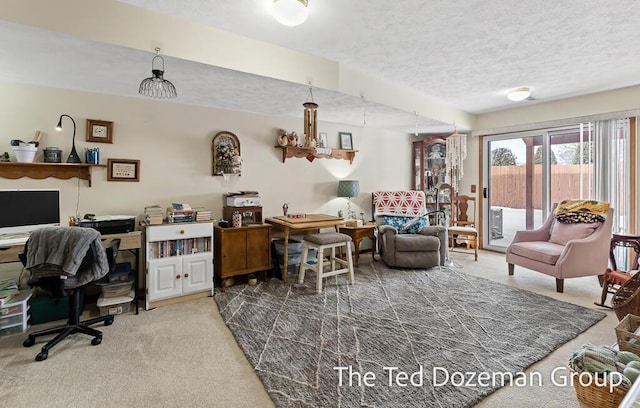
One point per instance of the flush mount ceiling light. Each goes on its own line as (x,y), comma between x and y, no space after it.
(290,12)
(156,86)
(519,94)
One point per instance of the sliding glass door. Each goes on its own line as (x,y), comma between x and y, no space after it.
(512,191)
(526,173)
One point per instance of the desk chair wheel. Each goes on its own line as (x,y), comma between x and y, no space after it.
(96,341)
(108,322)
(29,341)
(42,356)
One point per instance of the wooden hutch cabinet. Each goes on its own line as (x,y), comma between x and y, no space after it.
(241,250)
(429,170)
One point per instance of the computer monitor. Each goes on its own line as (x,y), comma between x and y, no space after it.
(22,211)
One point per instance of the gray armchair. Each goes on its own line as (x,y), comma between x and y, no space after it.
(425,248)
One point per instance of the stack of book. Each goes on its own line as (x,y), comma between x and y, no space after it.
(203,215)
(153,214)
(8,290)
(179,213)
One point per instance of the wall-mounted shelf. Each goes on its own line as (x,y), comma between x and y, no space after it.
(43,170)
(292,151)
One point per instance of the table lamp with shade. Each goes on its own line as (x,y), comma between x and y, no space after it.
(349,188)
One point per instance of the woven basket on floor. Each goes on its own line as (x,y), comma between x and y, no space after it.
(625,333)
(626,300)
(596,396)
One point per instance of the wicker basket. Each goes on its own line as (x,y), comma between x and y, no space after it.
(626,300)
(595,396)
(625,333)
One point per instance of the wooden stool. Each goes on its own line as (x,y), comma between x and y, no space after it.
(320,242)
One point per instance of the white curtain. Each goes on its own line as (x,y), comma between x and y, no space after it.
(611,158)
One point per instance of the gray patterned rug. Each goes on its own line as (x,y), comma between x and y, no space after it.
(411,327)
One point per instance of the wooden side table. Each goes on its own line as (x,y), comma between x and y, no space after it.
(357,234)
(628,241)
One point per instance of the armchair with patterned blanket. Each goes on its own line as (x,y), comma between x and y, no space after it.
(405,238)
(574,241)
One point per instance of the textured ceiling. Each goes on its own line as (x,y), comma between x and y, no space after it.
(466,54)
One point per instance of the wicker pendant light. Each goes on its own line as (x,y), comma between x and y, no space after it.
(156,86)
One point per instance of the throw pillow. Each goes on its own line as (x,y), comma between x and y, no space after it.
(405,224)
(563,233)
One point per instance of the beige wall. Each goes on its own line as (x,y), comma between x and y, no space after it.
(173,143)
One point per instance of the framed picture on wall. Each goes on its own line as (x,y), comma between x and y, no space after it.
(346,141)
(100,131)
(123,170)
(322,140)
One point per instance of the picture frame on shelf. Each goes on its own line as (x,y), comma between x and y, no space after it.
(123,170)
(322,140)
(346,141)
(99,131)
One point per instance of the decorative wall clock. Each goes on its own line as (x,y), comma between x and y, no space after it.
(100,131)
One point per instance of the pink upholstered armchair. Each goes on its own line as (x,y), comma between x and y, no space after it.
(563,250)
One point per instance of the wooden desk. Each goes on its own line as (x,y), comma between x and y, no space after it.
(357,234)
(129,241)
(310,222)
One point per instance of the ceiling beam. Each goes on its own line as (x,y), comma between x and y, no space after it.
(120,24)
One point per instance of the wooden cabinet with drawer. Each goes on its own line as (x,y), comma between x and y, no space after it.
(179,260)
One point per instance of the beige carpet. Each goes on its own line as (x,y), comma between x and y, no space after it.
(183,355)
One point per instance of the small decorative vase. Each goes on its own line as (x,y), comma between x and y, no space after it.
(236,219)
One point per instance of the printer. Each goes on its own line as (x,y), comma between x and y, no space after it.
(242,199)
(109,224)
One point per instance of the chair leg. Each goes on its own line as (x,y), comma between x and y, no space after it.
(303,262)
(603,295)
(320,270)
(511,268)
(73,326)
(559,285)
(475,247)
(350,263)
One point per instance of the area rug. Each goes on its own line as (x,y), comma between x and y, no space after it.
(397,338)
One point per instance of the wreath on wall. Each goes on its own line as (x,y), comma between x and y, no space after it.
(226,154)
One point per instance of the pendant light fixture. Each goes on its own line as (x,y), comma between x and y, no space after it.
(73,156)
(156,86)
(290,12)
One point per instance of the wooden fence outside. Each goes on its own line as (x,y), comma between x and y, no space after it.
(508,184)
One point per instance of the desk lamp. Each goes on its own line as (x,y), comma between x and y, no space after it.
(73,156)
(349,188)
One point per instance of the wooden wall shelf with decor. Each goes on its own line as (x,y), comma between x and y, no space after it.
(40,171)
(293,151)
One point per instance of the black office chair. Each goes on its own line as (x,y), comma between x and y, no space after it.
(56,285)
